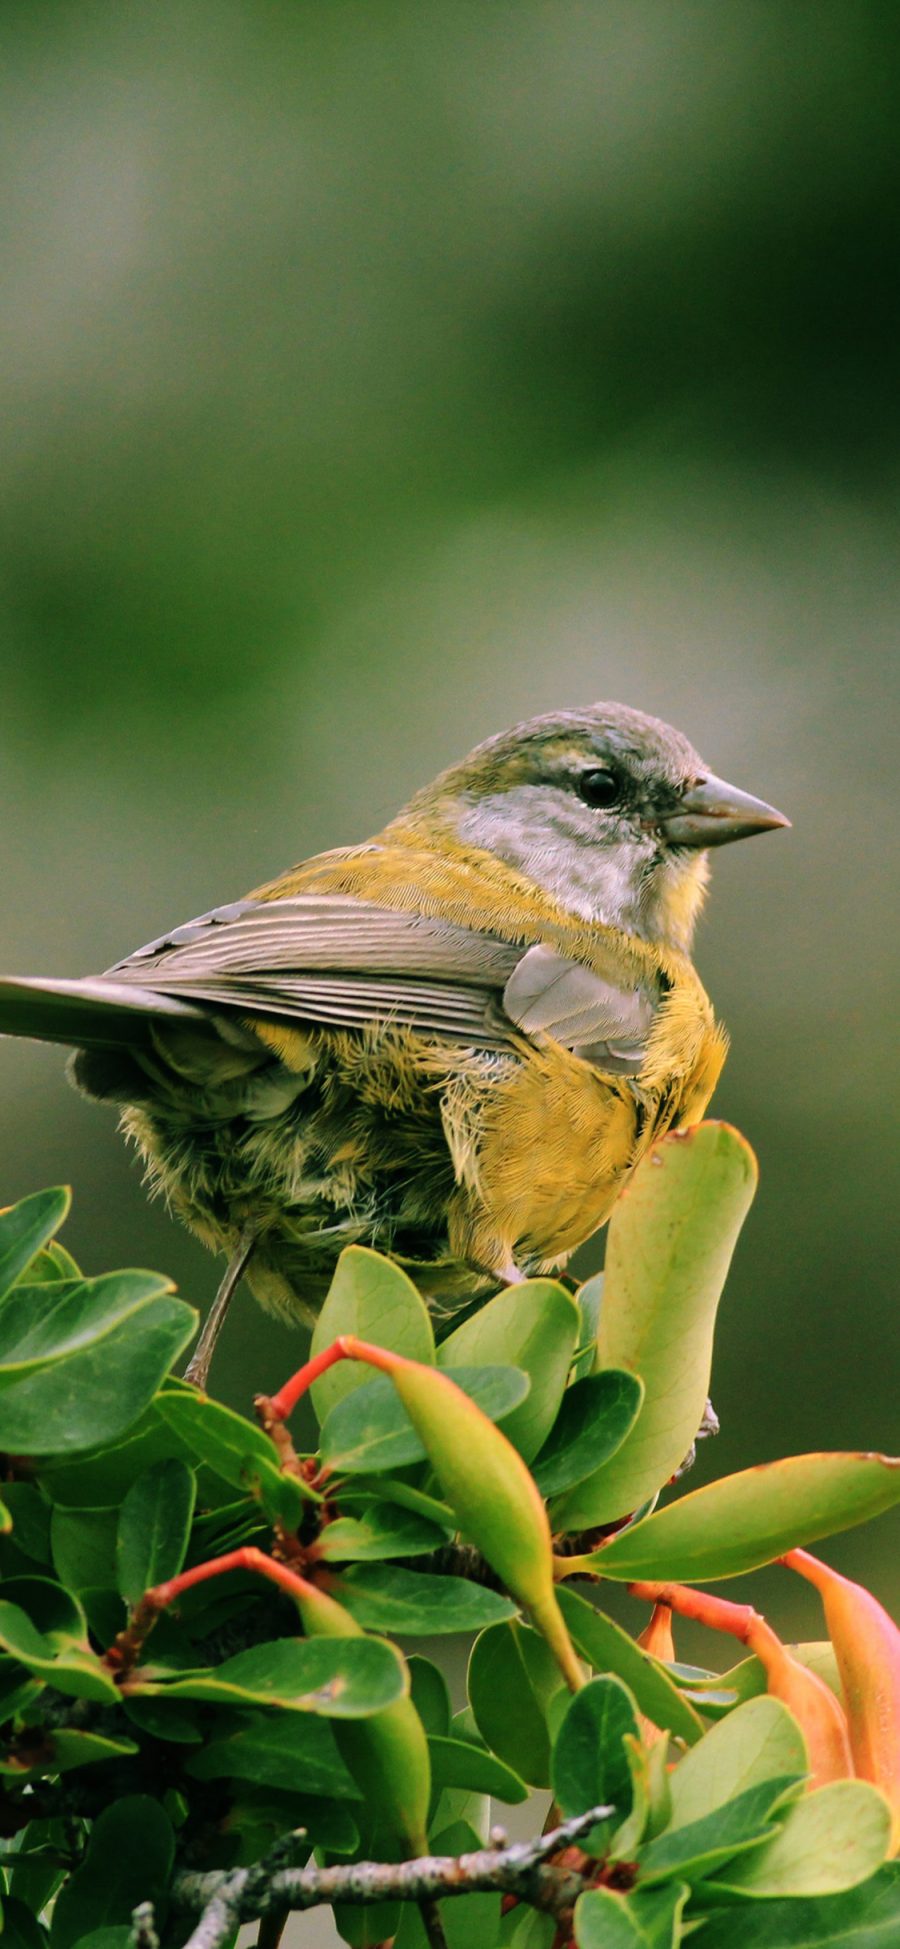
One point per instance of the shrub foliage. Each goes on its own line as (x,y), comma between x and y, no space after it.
(202,1703)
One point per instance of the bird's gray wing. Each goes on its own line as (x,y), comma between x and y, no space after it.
(599,1019)
(338,960)
(341,962)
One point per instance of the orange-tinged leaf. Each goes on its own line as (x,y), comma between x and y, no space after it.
(867,1646)
(812,1702)
(656,1638)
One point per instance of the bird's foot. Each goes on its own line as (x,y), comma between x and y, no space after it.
(708,1426)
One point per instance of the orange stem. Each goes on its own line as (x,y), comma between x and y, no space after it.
(246,1558)
(739,1620)
(345,1347)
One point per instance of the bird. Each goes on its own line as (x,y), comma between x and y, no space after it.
(451,1043)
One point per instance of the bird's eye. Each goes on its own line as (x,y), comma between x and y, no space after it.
(599,787)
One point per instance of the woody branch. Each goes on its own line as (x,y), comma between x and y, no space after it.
(524,1869)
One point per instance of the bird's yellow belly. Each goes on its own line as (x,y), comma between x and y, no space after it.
(555,1145)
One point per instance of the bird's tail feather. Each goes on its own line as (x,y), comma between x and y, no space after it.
(97,1012)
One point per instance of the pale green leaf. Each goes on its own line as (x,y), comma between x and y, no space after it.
(758,1741)
(830,1840)
(749,1519)
(532,1326)
(669,1246)
(373,1298)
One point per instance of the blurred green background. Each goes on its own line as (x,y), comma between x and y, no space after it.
(374,375)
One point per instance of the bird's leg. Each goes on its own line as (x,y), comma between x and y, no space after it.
(197,1369)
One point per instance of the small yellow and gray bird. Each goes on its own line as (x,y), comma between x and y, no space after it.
(452,1043)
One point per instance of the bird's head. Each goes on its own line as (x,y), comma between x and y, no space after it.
(610,811)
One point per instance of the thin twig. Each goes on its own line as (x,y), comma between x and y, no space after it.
(524,1869)
(271,1928)
(430,1912)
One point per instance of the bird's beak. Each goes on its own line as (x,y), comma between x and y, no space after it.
(712,813)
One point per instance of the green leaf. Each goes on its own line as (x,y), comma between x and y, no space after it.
(384,1597)
(341,1678)
(831,1840)
(371,1297)
(29,1514)
(752,1518)
(173,1720)
(512,1681)
(70,1667)
(18,1690)
(263,1815)
(532,1326)
(867,1917)
(610,1649)
(83,1358)
(390,1488)
(589,1298)
(286,1752)
(371,1429)
(604,1920)
(758,1741)
(129,1860)
(154,1527)
(84,1548)
(32,1873)
(669,1246)
(381,1531)
(44,1751)
(590,1765)
(369,1927)
(64,1266)
(595,1417)
(21,1928)
(692,1849)
(236,1450)
(716,1693)
(113,1938)
(526,1928)
(100,1478)
(632,1830)
(429,1694)
(42,1325)
(460,1763)
(53,1611)
(25,1227)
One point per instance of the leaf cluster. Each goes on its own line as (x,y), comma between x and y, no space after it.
(132,1759)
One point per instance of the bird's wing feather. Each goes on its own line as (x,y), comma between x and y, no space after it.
(336,960)
(94,1012)
(578,1007)
(342,962)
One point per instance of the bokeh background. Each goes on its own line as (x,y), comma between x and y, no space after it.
(375,375)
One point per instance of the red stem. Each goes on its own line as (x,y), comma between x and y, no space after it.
(247,1558)
(810,1567)
(739,1620)
(345,1347)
